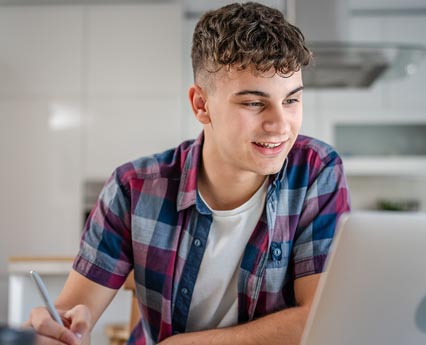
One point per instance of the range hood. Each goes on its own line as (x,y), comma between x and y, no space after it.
(340,63)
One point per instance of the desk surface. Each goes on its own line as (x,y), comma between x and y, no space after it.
(43,265)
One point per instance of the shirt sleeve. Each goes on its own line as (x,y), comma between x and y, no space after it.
(327,198)
(105,254)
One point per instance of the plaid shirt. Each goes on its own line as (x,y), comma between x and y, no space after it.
(150,217)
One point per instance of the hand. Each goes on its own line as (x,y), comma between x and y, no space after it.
(75,330)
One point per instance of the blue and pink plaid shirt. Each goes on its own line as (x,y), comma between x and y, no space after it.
(150,218)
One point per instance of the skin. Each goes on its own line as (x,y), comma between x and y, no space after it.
(80,304)
(281,328)
(239,110)
(250,123)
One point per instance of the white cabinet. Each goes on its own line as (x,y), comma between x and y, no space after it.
(382,146)
(134,84)
(386,4)
(83,88)
(122,129)
(40,115)
(398,102)
(134,50)
(40,52)
(40,181)
(407,94)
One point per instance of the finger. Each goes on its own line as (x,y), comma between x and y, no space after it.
(80,319)
(44,325)
(42,340)
(57,334)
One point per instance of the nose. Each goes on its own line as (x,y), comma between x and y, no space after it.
(276,121)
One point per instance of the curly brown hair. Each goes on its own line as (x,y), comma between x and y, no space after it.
(247,35)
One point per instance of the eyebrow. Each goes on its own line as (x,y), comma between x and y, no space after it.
(265,94)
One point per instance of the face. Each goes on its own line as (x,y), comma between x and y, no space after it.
(250,121)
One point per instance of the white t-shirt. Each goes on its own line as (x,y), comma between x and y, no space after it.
(214,301)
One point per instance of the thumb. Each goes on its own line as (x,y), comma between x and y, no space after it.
(80,320)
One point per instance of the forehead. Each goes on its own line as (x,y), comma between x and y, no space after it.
(234,80)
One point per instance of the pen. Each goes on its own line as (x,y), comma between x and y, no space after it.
(45,296)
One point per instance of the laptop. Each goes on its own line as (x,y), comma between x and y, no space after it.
(373,291)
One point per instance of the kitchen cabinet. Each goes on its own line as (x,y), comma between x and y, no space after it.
(122,129)
(394,102)
(407,94)
(134,84)
(386,4)
(402,94)
(83,88)
(380,145)
(133,50)
(40,137)
(40,52)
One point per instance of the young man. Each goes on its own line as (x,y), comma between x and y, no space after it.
(227,234)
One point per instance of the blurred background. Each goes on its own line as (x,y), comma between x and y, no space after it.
(88,85)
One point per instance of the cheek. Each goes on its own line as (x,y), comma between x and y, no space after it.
(297,121)
(237,122)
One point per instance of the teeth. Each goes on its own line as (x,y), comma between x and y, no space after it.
(268,145)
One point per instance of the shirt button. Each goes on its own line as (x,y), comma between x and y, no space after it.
(197,242)
(184,291)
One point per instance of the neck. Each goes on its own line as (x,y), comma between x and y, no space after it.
(224,190)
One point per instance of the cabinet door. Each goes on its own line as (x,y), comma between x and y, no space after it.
(40,53)
(407,94)
(134,50)
(40,115)
(121,129)
(386,4)
(134,82)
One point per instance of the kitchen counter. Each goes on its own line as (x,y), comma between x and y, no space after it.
(43,265)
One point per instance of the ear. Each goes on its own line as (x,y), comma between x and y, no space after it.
(198,102)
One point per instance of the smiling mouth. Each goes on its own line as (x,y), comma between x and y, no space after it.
(267,145)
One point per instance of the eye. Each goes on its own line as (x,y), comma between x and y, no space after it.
(253,104)
(291,101)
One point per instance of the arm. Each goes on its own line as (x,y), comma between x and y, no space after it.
(283,327)
(80,304)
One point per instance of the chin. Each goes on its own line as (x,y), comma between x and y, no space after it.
(271,170)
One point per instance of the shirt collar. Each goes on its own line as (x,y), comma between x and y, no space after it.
(187,194)
(276,180)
